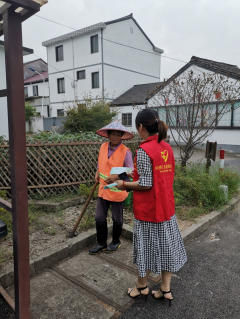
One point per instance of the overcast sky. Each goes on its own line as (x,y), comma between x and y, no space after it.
(182,28)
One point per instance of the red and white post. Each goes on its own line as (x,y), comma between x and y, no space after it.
(221,156)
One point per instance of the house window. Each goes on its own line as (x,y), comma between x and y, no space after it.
(61,85)
(95,80)
(94,44)
(26,91)
(59,53)
(60,112)
(127,119)
(35,90)
(81,75)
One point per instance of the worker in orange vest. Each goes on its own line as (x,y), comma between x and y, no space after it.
(112,154)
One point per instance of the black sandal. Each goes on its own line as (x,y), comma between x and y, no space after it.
(162,297)
(140,290)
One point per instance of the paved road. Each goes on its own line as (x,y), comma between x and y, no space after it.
(208,286)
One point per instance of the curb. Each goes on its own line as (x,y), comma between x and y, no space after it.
(64,250)
(52,255)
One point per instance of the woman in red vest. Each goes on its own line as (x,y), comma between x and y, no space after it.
(157,242)
(112,154)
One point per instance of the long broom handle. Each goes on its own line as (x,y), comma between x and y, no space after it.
(84,209)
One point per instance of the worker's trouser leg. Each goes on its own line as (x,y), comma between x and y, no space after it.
(102,209)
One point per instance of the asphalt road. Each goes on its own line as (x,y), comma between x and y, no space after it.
(208,286)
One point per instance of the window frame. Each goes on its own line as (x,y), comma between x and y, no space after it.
(78,72)
(127,125)
(60,110)
(98,80)
(58,80)
(35,86)
(56,53)
(91,46)
(25,94)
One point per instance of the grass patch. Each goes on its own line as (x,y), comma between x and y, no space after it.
(197,192)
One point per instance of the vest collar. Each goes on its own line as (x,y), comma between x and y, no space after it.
(150,138)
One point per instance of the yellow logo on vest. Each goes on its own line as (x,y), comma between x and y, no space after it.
(164,155)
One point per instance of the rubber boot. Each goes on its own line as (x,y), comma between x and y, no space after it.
(102,234)
(115,244)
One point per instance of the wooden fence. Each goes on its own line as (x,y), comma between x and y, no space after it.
(56,168)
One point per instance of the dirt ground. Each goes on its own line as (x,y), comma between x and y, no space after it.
(49,229)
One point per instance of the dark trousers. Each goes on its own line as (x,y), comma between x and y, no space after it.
(102,209)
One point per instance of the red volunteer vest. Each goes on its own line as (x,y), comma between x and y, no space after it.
(105,166)
(157,204)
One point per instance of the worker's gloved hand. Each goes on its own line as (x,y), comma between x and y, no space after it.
(111,179)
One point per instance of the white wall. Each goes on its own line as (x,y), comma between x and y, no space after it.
(3,100)
(128,109)
(34,124)
(42,88)
(123,66)
(127,57)
(226,139)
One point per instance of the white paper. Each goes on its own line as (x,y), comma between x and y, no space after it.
(120,170)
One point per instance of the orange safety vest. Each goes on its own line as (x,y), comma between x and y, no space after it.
(105,166)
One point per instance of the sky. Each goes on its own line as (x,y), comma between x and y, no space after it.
(182,28)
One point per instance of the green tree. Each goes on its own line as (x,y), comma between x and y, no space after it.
(88,116)
(30,111)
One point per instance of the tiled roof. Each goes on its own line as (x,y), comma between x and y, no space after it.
(74,34)
(38,65)
(138,94)
(37,78)
(218,67)
(95,27)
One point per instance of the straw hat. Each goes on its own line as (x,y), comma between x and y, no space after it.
(115,126)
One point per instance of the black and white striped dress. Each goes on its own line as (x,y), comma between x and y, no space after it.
(156,246)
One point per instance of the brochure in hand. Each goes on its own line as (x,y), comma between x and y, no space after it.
(110,186)
(120,170)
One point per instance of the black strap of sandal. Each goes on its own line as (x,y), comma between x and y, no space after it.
(165,292)
(140,289)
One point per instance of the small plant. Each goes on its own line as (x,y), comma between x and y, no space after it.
(85,190)
(50,230)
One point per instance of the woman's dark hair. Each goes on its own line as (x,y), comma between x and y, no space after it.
(150,120)
(110,131)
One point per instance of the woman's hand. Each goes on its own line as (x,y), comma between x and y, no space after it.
(120,185)
(111,179)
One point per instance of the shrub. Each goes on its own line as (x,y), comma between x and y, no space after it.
(89,116)
(193,187)
(30,111)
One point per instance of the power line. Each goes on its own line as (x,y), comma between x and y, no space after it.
(113,41)
(54,22)
(55,68)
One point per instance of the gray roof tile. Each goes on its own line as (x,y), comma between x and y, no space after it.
(138,94)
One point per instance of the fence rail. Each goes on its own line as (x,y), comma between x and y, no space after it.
(55,168)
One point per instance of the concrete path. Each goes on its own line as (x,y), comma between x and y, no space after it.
(94,287)
(86,286)
(208,286)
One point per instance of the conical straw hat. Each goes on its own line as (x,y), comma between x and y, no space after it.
(115,126)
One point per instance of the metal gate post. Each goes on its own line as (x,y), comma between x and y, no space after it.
(18,160)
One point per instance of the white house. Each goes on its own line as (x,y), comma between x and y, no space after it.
(227,133)
(3,100)
(36,90)
(102,59)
